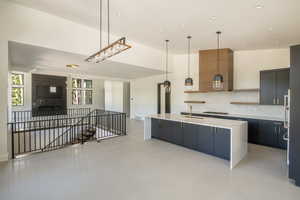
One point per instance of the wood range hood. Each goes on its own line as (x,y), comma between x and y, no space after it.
(208,69)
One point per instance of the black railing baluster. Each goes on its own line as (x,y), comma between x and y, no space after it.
(30,135)
(50,130)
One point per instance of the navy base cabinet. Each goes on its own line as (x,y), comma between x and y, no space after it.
(222,143)
(262,132)
(205,139)
(190,135)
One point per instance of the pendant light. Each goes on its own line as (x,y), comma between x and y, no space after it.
(167,83)
(218,81)
(112,48)
(189,81)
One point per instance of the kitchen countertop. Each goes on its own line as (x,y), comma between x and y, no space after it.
(242,116)
(206,121)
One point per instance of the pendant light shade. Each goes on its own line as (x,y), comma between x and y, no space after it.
(167,83)
(218,81)
(189,81)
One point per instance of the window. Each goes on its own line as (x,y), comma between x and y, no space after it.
(82,92)
(17,92)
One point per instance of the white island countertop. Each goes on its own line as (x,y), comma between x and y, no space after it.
(238,131)
(259,117)
(205,121)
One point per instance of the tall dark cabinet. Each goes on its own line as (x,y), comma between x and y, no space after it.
(294,167)
(274,84)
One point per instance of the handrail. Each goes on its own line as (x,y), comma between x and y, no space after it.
(63,134)
(51,134)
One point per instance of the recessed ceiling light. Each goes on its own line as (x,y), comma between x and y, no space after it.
(259,6)
(213,18)
(72,66)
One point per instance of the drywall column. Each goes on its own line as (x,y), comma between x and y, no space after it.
(3,99)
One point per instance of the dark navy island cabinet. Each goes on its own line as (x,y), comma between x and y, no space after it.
(206,139)
(190,135)
(262,132)
(209,140)
(222,143)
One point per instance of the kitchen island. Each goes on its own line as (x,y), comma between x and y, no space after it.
(226,139)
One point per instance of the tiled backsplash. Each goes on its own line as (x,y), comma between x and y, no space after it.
(220,101)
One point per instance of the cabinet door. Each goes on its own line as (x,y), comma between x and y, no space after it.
(190,135)
(282,85)
(281,132)
(222,143)
(206,139)
(155,128)
(268,133)
(253,132)
(267,88)
(163,130)
(175,132)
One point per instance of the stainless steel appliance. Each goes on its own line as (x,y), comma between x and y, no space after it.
(287,122)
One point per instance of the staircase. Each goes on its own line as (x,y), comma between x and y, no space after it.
(80,132)
(87,135)
(49,134)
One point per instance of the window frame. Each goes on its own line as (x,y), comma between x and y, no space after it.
(18,86)
(82,89)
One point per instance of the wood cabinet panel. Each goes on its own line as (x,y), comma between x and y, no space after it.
(208,68)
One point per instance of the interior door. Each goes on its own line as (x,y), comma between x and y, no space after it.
(163,99)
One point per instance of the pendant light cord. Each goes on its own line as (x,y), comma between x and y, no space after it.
(218,52)
(100,22)
(167,58)
(189,55)
(108,22)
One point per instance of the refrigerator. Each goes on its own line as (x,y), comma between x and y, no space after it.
(286,137)
(294,116)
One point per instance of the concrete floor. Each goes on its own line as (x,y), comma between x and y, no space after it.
(128,168)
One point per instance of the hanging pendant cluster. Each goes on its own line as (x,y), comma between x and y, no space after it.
(111,49)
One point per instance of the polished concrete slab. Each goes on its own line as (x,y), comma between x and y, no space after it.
(129,168)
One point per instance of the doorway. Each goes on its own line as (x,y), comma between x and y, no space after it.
(163,99)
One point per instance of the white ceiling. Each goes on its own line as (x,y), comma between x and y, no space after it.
(27,58)
(244,26)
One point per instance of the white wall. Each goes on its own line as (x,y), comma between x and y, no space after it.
(247,65)
(114,96)
(3,99)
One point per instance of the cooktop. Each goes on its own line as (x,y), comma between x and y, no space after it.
(218,113)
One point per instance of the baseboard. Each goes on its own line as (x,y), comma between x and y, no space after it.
(4,157)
